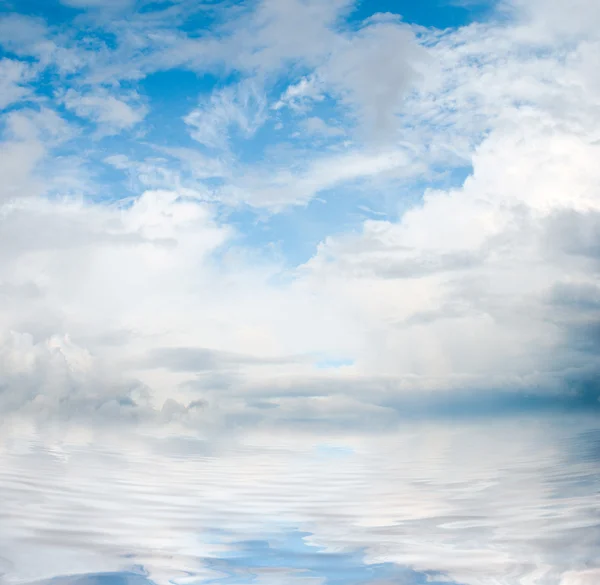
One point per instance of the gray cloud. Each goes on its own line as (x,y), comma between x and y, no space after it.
(191,359)
(575,233)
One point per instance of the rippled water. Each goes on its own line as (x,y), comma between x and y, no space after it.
(495,502)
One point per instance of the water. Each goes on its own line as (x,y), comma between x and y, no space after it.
(511,501)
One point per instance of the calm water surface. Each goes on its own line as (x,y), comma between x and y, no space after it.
(498,502)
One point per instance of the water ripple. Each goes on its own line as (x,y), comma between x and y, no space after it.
(504,503)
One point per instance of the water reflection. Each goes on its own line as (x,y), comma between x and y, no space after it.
(289,557)
(503,502)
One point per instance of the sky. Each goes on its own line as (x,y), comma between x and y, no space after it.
(292,210)
(226,218)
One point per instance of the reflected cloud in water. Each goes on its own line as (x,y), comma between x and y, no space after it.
(512,500)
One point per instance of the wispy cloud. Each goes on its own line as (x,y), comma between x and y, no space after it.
(111,113)
(241,108)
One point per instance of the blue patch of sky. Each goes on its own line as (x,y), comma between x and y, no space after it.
(297,231)
(334,363)
(52,11)
(6,53)
(334,451)
(172,95)
(439,14)
(200,20)
(251,150)
(155,6)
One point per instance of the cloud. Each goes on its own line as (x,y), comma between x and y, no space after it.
(55,378)
(281,32)
(73,234)
(21,32)
(317,126)
(298,93)
(14,75)
(27,36)
(580,577)
(111,114)
(300,183)
(240,108)
(557,18)
(27,140)
(190,359)
(361,72)
(484,285)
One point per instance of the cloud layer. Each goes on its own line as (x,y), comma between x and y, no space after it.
(142,265)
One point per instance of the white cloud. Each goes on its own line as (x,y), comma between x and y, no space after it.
(295,95)
(457,287)
(17,161)
(241,107)
(30,37)
(372,71)
(581,577)
(29,135)
(549,20)
(45,246)
(14,75)
(111,113)
(318,126)
(358,70)
(22,32)
(280,32)
(300,183)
